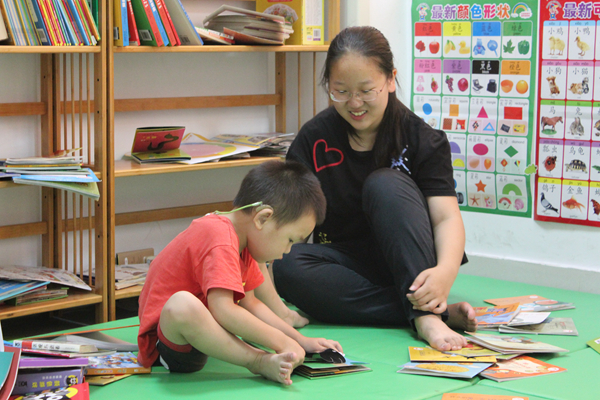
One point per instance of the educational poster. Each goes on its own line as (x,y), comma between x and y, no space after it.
(474,66)
(567,184)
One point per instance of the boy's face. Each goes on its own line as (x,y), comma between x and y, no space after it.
(271,242)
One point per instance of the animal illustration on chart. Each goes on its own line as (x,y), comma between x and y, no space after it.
(547,121)
(556,44)
(576,88)
(597,128)
(576,127)
(546,204)
(572,204)
(576,165)
(550,163)
(554,90)
(583,46)
(596,207)
(585,85)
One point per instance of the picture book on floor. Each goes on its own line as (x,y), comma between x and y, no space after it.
(550,326)
(102,380)
(519,368)
(517,299)
(80,391)
(98,339)
(314,370)
(11,377)
(474,350)
(475,396)
(117,363)
(39,344)
(429,354)
(444,369)
(594,344)
(522,318)
(497,315)
(532,302)
(35,381)
(27,362)
(512,344)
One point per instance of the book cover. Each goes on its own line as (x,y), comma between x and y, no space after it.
(78,37)
(102,380)
(54,40)
(88,189)
(551,326)
(86,32)
(51,20)
(92,23)
(513,344)
(99,339)
(37,297)
(183,24)
(10,288)
(243,11)
(15,21)
(444,369)
(323,370)
(63,354)
(429,354)
(305,16)
(80,391)
(89,177)
(519,368)
(27,23)
(6,359)
(546,305)
(518,299)
(167,23)
(203,150)
(474,350)
(117,363)
(120,21)
(38,21)
(77,21)
(54,275)
(594,344)
(40,344)
(11,378)
(210,36)
(147,28)
(70,37)
(159,23)
(157,138)
(51,362)
(6,32)
(40,380)
(161,156)
(497,315)
(134,37)
(242,38)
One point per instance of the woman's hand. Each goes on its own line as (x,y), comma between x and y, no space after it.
(430,290)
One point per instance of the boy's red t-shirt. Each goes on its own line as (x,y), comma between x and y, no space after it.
(204,256)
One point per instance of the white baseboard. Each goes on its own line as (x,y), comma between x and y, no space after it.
(535,274)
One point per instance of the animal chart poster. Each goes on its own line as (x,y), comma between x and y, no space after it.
(568,141)
(473,77)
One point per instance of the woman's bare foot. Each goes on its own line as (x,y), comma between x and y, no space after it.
(439,336)
(462,316)
(275,367)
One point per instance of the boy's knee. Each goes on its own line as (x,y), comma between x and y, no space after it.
(181,306)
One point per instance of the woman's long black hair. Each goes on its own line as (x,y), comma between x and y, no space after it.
(370,43)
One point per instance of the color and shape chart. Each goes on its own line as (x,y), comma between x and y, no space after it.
(473,78)
(567,184)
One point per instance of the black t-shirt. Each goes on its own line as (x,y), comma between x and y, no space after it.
(322,145)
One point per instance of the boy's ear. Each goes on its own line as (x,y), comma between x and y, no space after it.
(263,214)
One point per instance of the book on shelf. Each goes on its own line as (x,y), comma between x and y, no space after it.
(27,23)
(53,275)
(182,23)
(87,189)
(512,344)
(158,144)
(306,17)
(134,37)
(165,18)
(519,368)
(432,355)
(497,315)
(159,23)
(203,149)
(10,288)
(38,20)
(3,32)
(36,296)
(80,391)
(146,24)
(128,275)
(120,28)
(27,362)
(41,344)
(89,176)
(36,381)
(550,326)
(13,23)
(210,36)
(117,363)
(444,369)
(11,377)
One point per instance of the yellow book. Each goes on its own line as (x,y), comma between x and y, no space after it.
(306,17)
(429,354)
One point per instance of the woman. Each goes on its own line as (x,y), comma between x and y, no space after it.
(393,238)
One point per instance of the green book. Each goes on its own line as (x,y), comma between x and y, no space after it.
(146,24)
(89,189)
(594,344)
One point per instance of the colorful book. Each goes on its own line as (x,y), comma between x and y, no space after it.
(6,359)
(27,23)
(101,340)
(497,315)
(102,380)
(52,362)
(10,288)
(159,24)
(183,24)
(38,21)
(120,23)
(78,21)
(40,344)
(38,381)
(80,391)
(63,354)
(594,344)
(15,22)
(517,299)
(551,326)
(444,369)
(134,37)
(519,368)
(513,344)
(157,138)
(37,296)
(11,378)
(6,32)
(474,350)
(117,363)
(146,24)
(324,370)
(92,23)
(165,18)
(89,177)
(210,36)
(88,189)
(429,354)
(53,275)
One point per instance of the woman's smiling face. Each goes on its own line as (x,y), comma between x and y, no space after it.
(356,74)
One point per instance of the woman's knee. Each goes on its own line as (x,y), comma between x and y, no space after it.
(386,187)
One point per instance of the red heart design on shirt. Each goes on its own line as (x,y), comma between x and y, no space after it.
(327,150)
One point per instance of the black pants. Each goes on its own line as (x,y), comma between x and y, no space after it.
(365,282)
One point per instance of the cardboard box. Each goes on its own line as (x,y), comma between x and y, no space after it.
(306,16)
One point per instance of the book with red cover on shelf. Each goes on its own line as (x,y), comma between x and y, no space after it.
(167,23)
(134,37)
(184,27)
(146,24)
(159,23)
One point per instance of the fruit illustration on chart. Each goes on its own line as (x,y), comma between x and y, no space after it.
(434,47)
(463,49)
(463,84)
(420,46)
(522,87)
(523,47)
(449,46)
(487,163)
(434,85)
(506,85)
(449,81)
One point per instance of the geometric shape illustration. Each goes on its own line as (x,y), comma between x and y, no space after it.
(454,148)
(482,113)
(480,149)
(511,187)
(511,151)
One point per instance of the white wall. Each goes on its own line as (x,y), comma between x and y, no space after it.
(500,246)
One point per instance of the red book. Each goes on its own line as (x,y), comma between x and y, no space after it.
(152,23)
(11,379)
(168,24)
(53,20)
(134,37)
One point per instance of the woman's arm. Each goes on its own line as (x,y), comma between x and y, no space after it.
(432,286)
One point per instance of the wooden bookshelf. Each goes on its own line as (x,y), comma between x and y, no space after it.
(224,49)
(49,49)
(125,168)
(76,298)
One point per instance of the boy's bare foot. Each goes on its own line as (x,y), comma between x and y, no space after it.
(462,316)
(294,319)
(439,336)
(275,367)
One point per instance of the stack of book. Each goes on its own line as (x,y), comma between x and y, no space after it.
(459,364)
(249,27)
(51,22)
(64,172)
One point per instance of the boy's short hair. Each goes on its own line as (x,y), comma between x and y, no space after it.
(289,187)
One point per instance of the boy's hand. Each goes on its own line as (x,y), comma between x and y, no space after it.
(293,347)
(431,289)
(317,345)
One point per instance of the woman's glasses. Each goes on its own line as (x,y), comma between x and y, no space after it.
(342,96)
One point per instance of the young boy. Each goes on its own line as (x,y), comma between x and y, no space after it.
(199,293)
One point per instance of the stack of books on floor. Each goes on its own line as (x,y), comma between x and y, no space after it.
(64,172)
(49,23)
(249,27)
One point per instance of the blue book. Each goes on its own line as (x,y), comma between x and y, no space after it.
(9,288)
(75,39)
(38,20)
(124,21)
(90,177)
(78,22)
(161,28)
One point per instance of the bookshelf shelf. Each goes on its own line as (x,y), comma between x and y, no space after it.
(76,298)
(49,49)
(222,49)
(129,292)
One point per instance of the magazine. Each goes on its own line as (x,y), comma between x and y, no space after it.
(54,275)
(513,344)
(519,368)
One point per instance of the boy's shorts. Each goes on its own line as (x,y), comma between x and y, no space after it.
(177,357)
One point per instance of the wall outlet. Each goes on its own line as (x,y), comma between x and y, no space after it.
(134,256)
